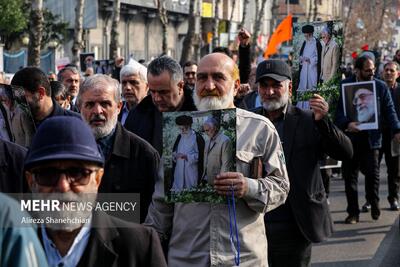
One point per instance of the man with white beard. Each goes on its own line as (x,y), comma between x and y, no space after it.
(131,163)
(364,102)
(65,163)
(199,233)
(306,136)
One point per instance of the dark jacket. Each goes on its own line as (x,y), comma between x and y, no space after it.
(5,116)
(11,167)
(304,142)
(132,167)
(146,120)
(112,245)
(386,112)
(244,63)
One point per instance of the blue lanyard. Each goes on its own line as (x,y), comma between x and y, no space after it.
(232,217)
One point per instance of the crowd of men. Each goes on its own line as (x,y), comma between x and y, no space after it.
(103,134)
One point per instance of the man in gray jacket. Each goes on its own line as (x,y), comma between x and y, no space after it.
(199,233)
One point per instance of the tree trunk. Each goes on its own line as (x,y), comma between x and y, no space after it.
(257,26)
(114,30)
(230,20)
(309,10)
(189,38)
(315,10)
(78,32)
(35,33)
(162,12)
(245,5)
(215,38)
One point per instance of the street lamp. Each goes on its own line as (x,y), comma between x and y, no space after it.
(25,39)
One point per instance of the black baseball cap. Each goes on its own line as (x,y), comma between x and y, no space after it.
(275,69)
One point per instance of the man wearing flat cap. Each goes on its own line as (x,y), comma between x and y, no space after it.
(187,154)
(305,134)
(310,62)
(65,163)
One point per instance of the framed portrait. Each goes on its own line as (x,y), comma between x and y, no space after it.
(197,146)
(317,51)
(359,104)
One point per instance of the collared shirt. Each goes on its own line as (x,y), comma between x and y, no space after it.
(106,144)
(200,231)
(75,252)
(124,113)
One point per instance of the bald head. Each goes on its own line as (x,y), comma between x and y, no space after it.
(217,82)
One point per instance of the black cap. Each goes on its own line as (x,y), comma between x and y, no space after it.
(275,69)
(63,138)
(307,29)
(184,120)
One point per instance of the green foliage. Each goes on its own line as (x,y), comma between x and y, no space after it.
(12,17)
(328,90)
(201,193)
(54,28)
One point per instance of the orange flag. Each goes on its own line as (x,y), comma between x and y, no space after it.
(282,33)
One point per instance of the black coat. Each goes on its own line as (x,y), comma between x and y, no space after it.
(12,167)
(146,120)
(132,167)
(304,142)
(111,245)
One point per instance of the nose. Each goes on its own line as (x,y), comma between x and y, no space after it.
(156,96)
(209,84)
(63,184)
(267,90)
(97,109)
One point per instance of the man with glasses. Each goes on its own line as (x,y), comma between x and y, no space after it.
(65,163)
(366,144)
(189,71)
(364,104)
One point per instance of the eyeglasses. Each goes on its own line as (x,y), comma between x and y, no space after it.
(190,73)
(361,97)
(50,176)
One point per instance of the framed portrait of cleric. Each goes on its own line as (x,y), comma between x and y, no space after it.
(359,104)
(197,146)
(317,52)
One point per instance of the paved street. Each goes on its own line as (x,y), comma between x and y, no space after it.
(365,244)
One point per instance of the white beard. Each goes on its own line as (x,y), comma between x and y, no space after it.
(109,125)
(273,105)
(365,114)
(214,102)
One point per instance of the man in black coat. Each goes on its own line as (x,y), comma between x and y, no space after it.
(37,90)
(131,163)
(11,167)
(306,135)
(167,93)
(65,164)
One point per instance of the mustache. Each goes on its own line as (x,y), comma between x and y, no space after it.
(206,93)
(98,117)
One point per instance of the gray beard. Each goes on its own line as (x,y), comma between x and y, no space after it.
(277,104)
(213,102)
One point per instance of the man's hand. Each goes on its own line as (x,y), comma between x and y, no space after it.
(353,127)
(319,106)
(224,181)
(244,37)
(243,90)
(119,62)
(396,137)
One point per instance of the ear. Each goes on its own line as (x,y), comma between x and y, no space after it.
(29,179)
(41,91)
(180,86)
(236,87)
(119,106)
(98,177)
(290,89)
